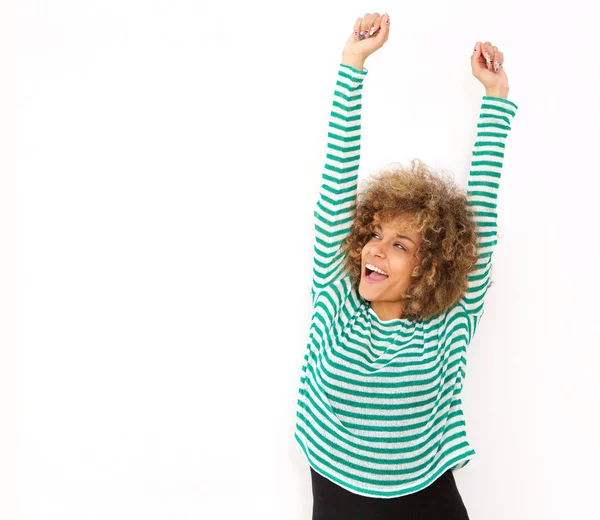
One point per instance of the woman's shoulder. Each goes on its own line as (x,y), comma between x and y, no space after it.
(455,322)
(336,292)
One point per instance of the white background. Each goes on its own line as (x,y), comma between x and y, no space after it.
(161,161)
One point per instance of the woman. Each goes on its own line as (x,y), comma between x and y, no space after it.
(400,275)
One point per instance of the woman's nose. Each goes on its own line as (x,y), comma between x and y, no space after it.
(377,250)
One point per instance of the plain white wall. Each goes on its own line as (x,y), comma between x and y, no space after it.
(168,157)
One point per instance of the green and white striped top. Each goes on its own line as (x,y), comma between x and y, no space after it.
(379,408)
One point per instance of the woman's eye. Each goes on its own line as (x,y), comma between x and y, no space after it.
(397,244)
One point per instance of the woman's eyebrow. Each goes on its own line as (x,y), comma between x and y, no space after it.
(397,234)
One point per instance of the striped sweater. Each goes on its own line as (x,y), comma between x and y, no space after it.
(379,409)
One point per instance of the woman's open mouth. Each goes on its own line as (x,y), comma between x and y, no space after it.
(373,276)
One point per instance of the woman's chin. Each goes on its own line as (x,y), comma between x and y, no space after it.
(365,291)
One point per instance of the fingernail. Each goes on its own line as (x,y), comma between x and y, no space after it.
(372,31)
(487,57)
(387,19)
(496,66)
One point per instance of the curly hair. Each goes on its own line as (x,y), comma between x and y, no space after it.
(438,209)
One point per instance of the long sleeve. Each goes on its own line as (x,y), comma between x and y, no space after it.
(336,203)
(494,125)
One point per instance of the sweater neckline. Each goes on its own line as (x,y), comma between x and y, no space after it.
(394,322)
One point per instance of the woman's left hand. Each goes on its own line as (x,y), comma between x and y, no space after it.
(487,65)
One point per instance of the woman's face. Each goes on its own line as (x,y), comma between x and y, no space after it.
(393,248)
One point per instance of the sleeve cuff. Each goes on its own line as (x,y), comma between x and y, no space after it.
(502,100)
(362,72)
(350,78)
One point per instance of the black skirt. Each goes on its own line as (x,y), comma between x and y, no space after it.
(438,501)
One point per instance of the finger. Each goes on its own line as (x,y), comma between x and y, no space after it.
(357,28)
(363,26)
(476,57)
(498,61)
(488,53)
(369,23)
(375,25)
(384,27)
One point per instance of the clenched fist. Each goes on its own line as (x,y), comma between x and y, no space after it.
(487,64)
(369,34)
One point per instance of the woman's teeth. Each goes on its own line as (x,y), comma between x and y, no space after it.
(376,269)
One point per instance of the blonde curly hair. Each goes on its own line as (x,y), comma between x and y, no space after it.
(438,210)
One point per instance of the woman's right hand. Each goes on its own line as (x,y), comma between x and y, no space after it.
(369,34)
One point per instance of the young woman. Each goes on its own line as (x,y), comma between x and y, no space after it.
(400,275)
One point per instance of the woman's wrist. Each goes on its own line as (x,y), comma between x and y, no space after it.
(497,93)
(353,60)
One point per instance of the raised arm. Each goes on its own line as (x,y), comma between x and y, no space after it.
(493,126)
(337,195)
